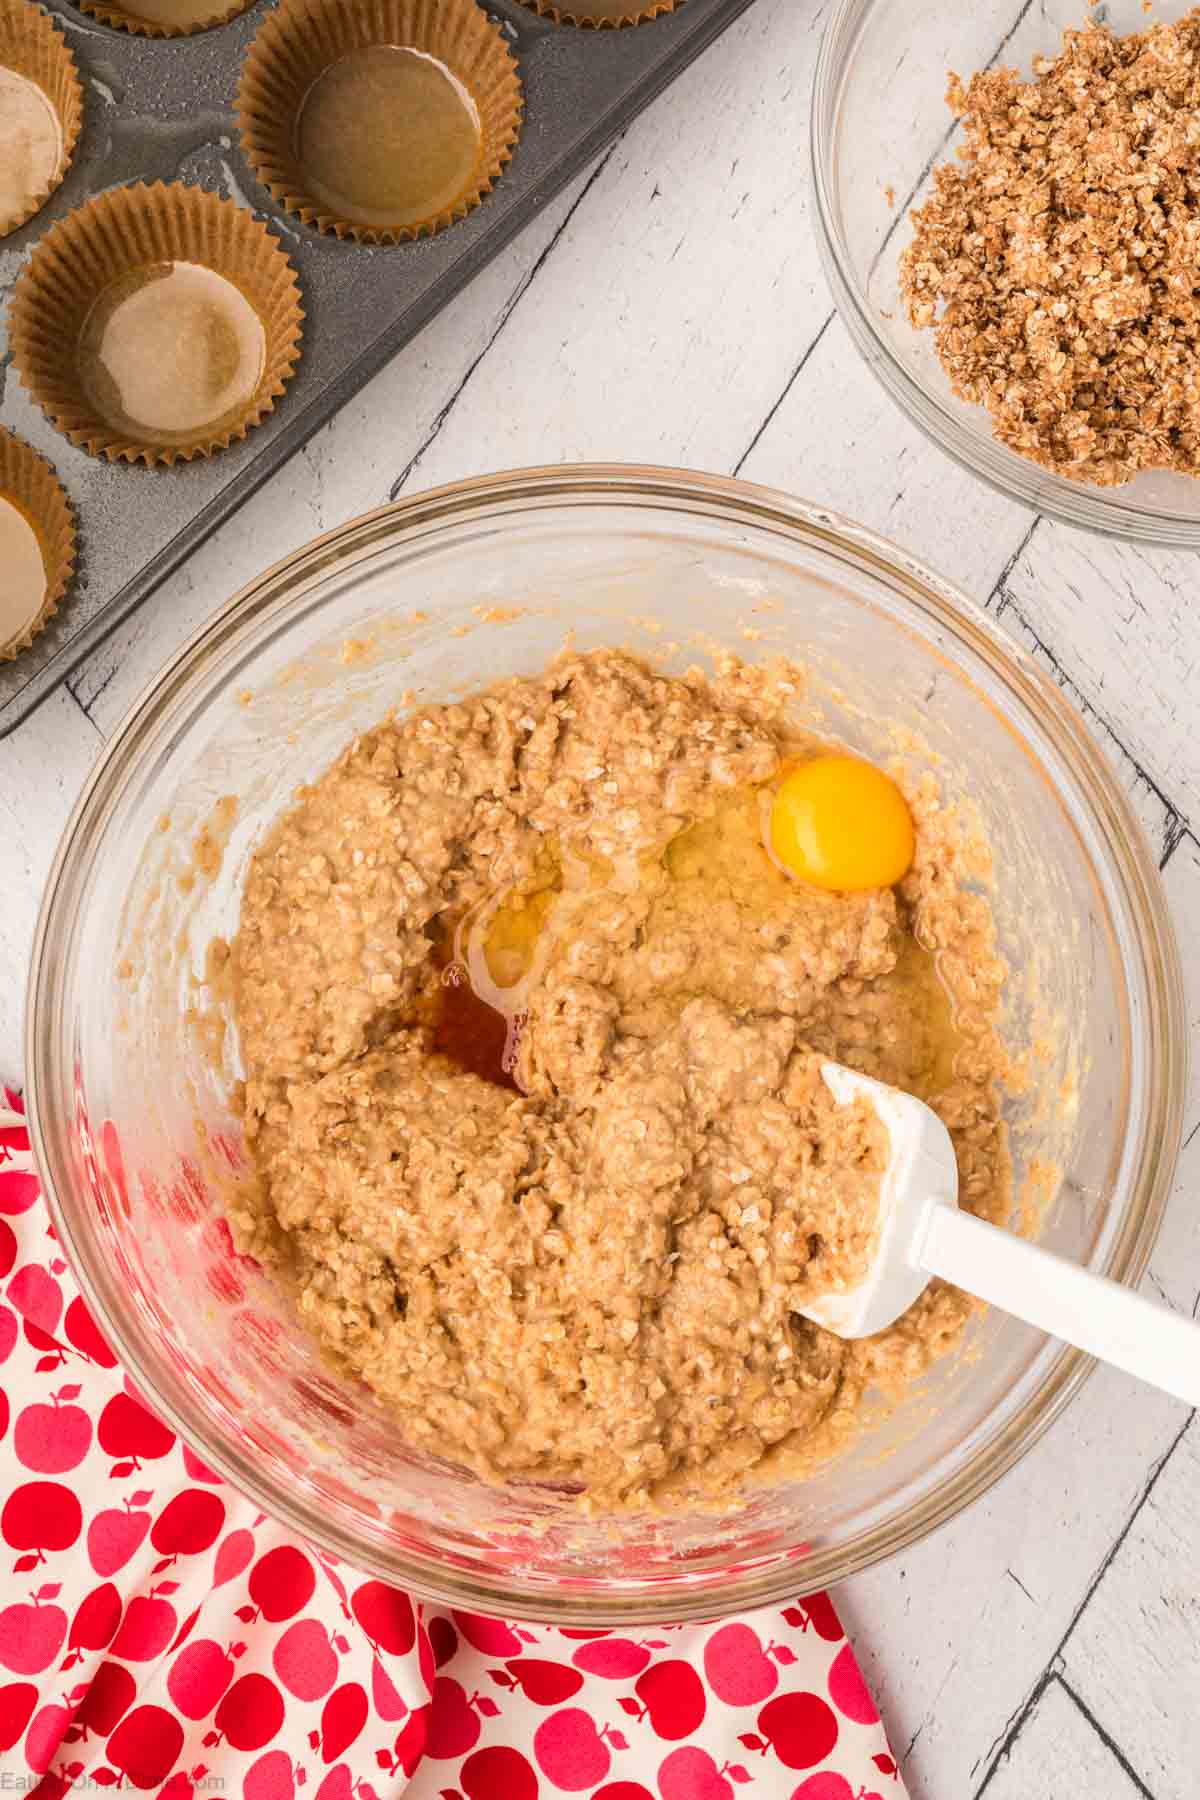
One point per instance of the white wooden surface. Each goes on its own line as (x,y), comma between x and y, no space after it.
(671,308)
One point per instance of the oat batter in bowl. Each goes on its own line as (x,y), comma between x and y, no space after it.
(532,1026)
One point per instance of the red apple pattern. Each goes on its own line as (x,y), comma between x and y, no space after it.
(158,1635)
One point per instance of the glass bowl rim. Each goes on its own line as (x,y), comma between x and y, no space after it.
(1057,1372)
(1076,504)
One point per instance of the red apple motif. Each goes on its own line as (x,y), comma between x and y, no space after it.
(251,1713)
(281,1582)
(3,1414)
(691,1774)
(198,1677)
(233,1555)
(738,1670)
(828,1785)
(270,1778)
(147,1628)
(8,1333)
(425,1658)
(564,1631)
(45,1736)
(453,1723)
(114,1535)
(186,1629)
(801,1727)
(126,1430)
(623,1790)
(18,1191)
(616,1659)
(31,1636)
(570,1751)
(96,1619)
(189,1523)
(498,1773)
(8,1247)
(305,1660)
(673,1696)
(82,1332)
(409,1746)
(17,1702)
(41,1516)
(176,1787)
(848,1690)
(109,1696)
(545,1683)
(342,1718)
(145,1745)
(200,1471)
(387,1702)
(52,1438)
(443,1639)
(337,1785)
(386,1615)
(492,1636)
(817,1611)
(36,1295)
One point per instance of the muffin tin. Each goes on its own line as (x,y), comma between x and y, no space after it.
(164,109)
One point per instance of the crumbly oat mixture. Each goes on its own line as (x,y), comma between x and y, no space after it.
(1058,266)
(589,1277)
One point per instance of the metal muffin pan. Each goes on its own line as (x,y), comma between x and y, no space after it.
(164,110)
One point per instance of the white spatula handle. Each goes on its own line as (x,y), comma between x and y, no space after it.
(1089,1311)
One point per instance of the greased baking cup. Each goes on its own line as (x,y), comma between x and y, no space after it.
(156,324)
(36,526)
(164,18)
(41,110)
(602,15)
(379,120)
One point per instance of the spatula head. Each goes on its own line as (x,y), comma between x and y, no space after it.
(921,1170)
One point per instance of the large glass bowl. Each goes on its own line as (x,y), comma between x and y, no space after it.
(129,1084)
(879,126)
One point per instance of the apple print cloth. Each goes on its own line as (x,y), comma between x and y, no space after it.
(158,1633)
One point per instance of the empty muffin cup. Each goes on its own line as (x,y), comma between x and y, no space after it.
(37,544)
(600,15)
(156,324)
(41,110)
(379,120)
(163,18)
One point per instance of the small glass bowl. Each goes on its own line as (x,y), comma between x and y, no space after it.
(430,599)
(879,126)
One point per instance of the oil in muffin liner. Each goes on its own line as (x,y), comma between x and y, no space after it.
(163,18)
(601,15)
(37,544)
(379,120)
(41,110)
(156,324)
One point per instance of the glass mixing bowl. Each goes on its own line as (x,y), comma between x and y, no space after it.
(129,1076)
(879,126)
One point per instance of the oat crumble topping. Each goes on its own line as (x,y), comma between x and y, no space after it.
(1058,265)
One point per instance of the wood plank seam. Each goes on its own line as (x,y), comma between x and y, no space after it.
(1177,822)
(902,210)
(506,312)
(1052,1667)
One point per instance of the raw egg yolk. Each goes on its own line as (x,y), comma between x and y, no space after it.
(838,822)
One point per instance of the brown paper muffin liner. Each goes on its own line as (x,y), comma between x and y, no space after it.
(304,39)
(602,15)
(30,484)
(33,46)
(200,15)
(113,237)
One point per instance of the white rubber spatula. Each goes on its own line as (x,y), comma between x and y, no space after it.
(922,1233)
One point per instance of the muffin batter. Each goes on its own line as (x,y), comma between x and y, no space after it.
(573,1256)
